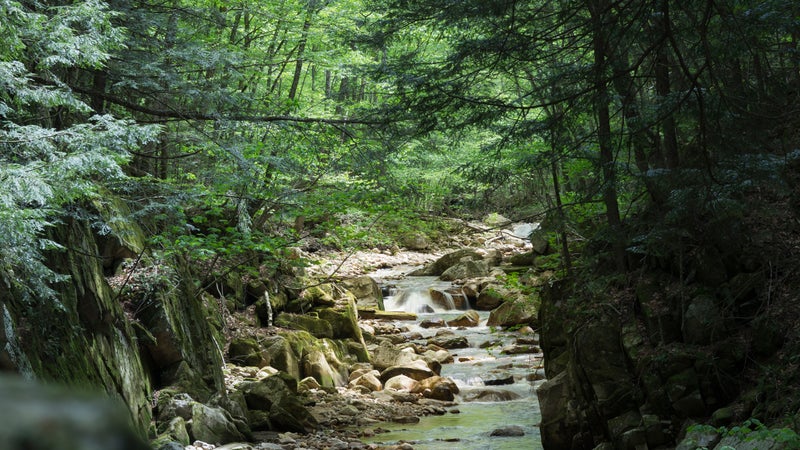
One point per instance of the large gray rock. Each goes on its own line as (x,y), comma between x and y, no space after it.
(213,425)
(445,262)
(417,370)
(518,311)
(366,290)
(703,321)
(466,269)
(274,404)
(468,319)
(387,355)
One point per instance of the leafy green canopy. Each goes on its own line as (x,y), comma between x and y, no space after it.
(53,149)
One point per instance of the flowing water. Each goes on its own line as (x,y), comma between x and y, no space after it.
(482,405)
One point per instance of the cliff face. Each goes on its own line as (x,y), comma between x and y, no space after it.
(636,366)
(84,337)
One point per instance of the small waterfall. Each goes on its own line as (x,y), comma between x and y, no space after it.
(413,300)
(269,308)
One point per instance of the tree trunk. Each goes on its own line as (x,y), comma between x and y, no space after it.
(599,11)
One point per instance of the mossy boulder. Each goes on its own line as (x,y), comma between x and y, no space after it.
(494,295)
(522,310)
(246,351)
(274,404)
(311,323)
(366,291)
(445,262)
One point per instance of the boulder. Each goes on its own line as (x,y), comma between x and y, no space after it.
(366,291)
(496,220)
(324,365)
(703,321)
(468,319)
(400,383)
(466,269)
(498,379)
(489,395)
(494,295)
(509,431)
(417,370)
(213,425)
(274,404)
(281,356)
(442,299)
(519,311)
(437,388)
(438,267)
(368,380)
(313,324)
(387,355)
(415,241)
(433,323)
(246,351)
(319,295)
(449,341)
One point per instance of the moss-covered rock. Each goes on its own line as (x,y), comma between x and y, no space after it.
(519,311)
(317,327)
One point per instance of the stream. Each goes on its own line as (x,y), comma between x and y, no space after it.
(497,390)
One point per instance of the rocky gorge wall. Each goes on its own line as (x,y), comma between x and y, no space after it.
(631,369)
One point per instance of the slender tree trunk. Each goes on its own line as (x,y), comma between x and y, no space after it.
(301,49)
(599,11)
(663,88)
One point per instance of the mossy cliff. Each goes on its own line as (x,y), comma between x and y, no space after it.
(633,366)
(84,335)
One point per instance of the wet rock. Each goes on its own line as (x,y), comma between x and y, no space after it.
(437,388)
(432,323)
(520,349)
(509,431)
(442,299)
(527,340)
(400,383)
(449,341)
(489,395)
(417,370)
(498,379)
(468,319)
(405,419)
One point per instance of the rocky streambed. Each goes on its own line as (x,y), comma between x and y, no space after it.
(338,365)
